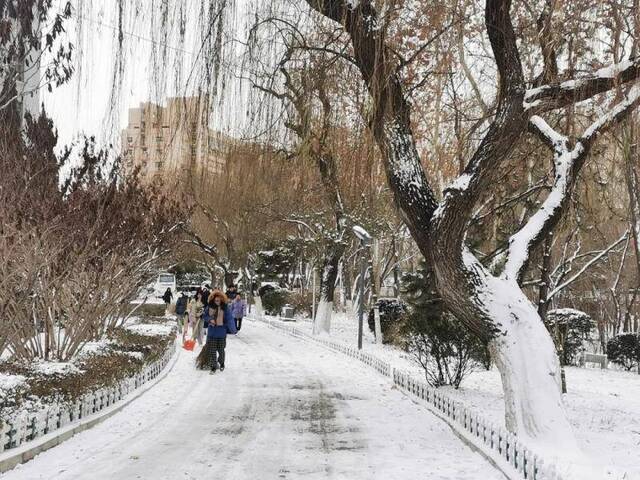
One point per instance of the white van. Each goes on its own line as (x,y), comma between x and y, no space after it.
(165,280)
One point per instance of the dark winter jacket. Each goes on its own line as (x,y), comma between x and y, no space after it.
(219,331)
(205,296)
(167,296)
(181,305)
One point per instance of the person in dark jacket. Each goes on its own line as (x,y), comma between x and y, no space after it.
(219,322)
(167,297)
(231,292)
(181,313)
(205,291)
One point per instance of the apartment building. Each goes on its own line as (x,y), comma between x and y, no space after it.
(173,140)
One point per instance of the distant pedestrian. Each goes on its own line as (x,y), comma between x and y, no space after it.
(167,297)
(182,313)
(239,310)
(231,292)
(196,310)
(205,290)
(220,322)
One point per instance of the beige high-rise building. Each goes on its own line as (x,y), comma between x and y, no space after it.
(173,140)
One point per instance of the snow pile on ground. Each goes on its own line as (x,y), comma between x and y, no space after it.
(603,406)
(56,368)
(8,384)
(152,329)
(100,347)
(151,300)
(132,320)
(136,355)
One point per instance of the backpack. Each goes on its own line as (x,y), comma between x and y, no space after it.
(181,305)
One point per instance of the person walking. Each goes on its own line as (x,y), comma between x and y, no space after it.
(196,310)
(219,323)
(206,291)
(182,313)
(231,292)
(238,310)
(167,297)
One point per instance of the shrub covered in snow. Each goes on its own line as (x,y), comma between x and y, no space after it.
(274,299)
(122,353)
(275,263)
(301,303)
(569,328)
(391,311)
(264,289)
(445,349)
(624,349)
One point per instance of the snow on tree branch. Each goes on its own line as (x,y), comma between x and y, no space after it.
(567,165)
(554,140)
(615,115)
(391,119)
(456,209)
(559,95)
(587,265)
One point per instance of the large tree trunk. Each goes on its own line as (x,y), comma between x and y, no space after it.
(322,322)
(522,350)
(493,308)
(529,367)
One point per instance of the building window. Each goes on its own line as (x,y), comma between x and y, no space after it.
(130,139)
(144,149)
(159,139)
(159,165)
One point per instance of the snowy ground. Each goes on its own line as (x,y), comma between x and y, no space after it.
(283,409)
(603,406)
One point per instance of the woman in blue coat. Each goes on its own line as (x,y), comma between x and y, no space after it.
(220,322)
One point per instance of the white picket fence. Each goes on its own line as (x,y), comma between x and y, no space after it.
(493,441)
(25,426)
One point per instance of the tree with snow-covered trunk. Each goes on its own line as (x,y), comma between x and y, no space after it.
(306,100)
(492,305)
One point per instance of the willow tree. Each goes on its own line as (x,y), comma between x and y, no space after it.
(489,303)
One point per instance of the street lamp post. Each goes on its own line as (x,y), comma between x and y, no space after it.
(365,241)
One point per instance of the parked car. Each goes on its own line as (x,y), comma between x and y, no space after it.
(165,280)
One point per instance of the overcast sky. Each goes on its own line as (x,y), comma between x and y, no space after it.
(84,105)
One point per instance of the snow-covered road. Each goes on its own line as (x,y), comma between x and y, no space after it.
(283,409)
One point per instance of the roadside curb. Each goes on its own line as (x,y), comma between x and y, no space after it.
(22,454)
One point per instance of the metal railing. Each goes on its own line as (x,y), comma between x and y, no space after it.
(23,426)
